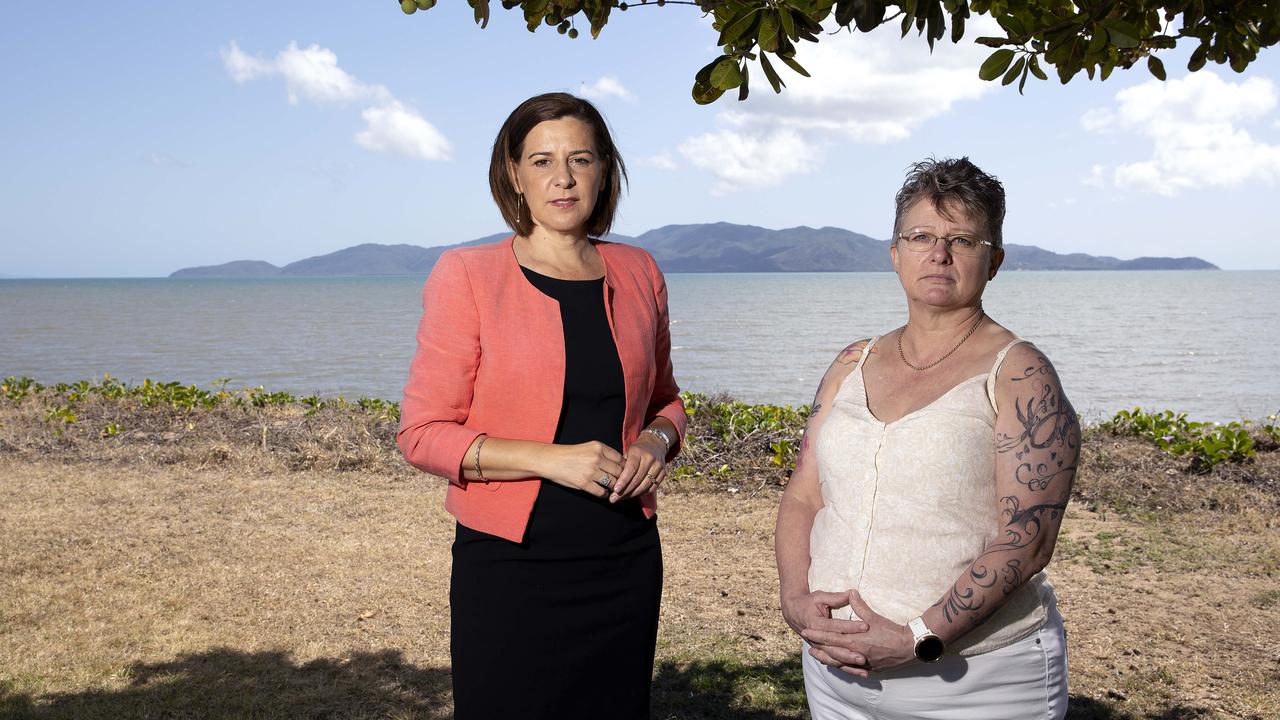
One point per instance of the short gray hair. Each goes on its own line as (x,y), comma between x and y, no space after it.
(954,181)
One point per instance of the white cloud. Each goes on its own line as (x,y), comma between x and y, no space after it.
(1098,120)
(313,74)
(871,88)
(606,87)
(243,67)
(393,128)
(310,72)
(749,160)
(865,87)
(163,160)
(660,161)
(1194,126)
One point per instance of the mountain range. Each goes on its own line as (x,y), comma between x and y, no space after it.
(710,247)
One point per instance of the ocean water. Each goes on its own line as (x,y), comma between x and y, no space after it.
(1205,343)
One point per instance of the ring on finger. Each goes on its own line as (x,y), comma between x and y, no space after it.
(605,481)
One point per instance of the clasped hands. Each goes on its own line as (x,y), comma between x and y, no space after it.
(872,643)
(586,465)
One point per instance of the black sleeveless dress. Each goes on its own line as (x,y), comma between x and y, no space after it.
(562,625)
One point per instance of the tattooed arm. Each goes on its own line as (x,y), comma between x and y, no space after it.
(800,503)
(1037,446)
(1037,443)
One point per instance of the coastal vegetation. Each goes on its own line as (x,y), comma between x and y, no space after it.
(729,437)
(184,551)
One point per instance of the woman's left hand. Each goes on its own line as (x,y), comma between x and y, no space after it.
(884,646)
(643,468)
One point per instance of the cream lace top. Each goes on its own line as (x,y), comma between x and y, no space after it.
(909,504)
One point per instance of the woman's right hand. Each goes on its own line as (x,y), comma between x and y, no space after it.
(801,609)
(582,466)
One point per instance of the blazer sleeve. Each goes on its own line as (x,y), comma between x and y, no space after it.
(437,398)
(665,401)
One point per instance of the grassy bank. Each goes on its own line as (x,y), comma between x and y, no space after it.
(171,551)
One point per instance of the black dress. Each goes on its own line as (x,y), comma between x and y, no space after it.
(562,625)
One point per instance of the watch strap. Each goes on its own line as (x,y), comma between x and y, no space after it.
(927,646)
(918,629)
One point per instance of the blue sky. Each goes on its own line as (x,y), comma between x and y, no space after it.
(140,137)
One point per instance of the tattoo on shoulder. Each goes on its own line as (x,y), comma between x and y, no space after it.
(1049,437)
(851,353)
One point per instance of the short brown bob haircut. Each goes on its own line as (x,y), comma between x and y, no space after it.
(953,182)
(510,142)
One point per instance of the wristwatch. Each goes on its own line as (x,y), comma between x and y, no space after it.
(929,647)
(667,440)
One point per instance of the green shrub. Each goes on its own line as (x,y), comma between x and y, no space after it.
(1207,444)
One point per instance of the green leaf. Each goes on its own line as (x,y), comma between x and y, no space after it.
(739,26)
(996,64)
(846,11)
(1035,68)
(482,12)
(1122,34)
(788,23)
(599,19)
(743,89)
(935,23)
(869,14)
(704,74)
(994,42)
(1156,67)
(1097,43)
(1198,57)
(706,94)
(1012,25)
(791,63)
(957,27)
(768,37)
(1014,71)
(770,74)
(726,75)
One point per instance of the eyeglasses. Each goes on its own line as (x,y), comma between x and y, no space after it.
(921,241)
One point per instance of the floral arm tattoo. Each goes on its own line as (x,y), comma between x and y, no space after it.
(1037,446)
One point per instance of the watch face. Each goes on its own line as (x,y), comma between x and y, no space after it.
(929,649)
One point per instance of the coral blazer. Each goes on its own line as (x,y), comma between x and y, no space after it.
(490,360)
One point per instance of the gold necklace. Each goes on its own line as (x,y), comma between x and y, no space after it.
(981,316)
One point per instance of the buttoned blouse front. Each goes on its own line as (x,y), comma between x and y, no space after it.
(908,505)
(490,360)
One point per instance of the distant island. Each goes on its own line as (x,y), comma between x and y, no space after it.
(703,248)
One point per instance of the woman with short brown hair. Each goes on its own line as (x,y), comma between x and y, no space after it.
(542,389)
(932,480)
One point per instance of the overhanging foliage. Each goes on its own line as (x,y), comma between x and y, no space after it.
(1093,37)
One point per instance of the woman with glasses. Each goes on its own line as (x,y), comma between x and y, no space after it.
(931,482)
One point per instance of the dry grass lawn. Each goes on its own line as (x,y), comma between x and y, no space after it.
(200,578)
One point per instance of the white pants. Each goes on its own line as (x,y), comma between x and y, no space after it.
(1022,681)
